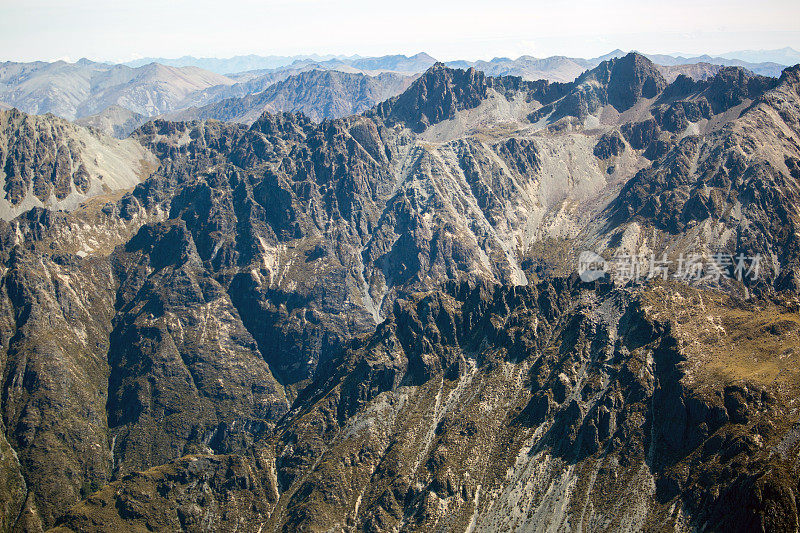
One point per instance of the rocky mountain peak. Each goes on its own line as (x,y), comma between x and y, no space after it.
(790,75)
(629,78)
(732,85)
(436,96)
(423,55)
(619,82)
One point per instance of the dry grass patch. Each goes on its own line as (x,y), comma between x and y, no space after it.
(730,341)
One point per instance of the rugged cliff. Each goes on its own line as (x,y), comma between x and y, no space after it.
(46,161)
(488,408)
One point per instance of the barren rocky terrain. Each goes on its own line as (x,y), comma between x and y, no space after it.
(375,323)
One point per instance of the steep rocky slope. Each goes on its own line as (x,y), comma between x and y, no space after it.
(557,407)
(371,323)
(485,408)
(46,161)
(733,189)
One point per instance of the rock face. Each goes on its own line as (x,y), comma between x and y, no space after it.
(609,145)
(627,79)
(180,357)
(741,178)
(373,323)
(48,161)
(312,220)
(465,403)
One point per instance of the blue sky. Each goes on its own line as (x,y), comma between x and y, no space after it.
(113,30)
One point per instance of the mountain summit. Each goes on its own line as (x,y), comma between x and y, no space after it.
(626,79)
(436,96)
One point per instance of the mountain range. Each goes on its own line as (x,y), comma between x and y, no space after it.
(234,64)
(782,56)
(763,68)
(116,99)
(75,90)
(376,323)
(785,56)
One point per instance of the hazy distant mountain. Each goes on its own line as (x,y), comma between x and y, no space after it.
(154,89)
(556,68)
(395,63)
(74,90)
(611,55)
(566,69)
(256,81)
(234,64)
(402,64)
(553,68)
(696,71)
(764,69)
(783,56)
(317,94)
(41,87)
(115,121)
